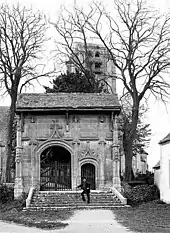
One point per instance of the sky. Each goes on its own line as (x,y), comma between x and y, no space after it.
(158,115)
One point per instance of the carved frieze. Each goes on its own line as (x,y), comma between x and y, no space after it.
(88,153)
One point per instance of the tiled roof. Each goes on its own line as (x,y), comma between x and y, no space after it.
(35,101)
(166,139)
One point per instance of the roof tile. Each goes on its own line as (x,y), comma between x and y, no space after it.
(67,101)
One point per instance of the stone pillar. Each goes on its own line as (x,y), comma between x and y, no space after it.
(18,187)
(116,156)
(34,175)
(102,144)
(75,165)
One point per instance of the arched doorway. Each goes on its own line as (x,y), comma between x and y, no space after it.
(88,171)
(55,172)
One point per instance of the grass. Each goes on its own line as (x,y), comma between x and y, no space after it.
(40,219)
(152,217)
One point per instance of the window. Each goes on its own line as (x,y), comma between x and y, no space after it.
(98,65)
(97,54)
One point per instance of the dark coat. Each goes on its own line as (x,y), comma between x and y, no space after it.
(85,186)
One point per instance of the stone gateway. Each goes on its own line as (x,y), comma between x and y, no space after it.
(63,137)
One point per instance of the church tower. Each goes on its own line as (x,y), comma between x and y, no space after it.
(101,63)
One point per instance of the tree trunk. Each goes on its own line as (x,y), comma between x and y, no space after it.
(128,143)
(128,160)
(9,137)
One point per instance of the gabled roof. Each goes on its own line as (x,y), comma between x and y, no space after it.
(166,139)
(70,101)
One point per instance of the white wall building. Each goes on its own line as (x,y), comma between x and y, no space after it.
(165,169)
(157,174)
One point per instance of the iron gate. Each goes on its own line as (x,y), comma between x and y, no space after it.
(56,176)
(88,171)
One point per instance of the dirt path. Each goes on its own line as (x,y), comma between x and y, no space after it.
(84,221)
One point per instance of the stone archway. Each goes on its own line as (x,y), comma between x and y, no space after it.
(92,165)
(58,144)
(55,169)
(88,171)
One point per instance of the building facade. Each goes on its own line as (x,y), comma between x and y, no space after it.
(63,137)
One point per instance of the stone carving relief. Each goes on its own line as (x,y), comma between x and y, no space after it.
(76,119)
(102,119)
(115,152)
(88,153)
(57,130)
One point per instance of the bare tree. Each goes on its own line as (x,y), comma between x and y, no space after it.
(22,36)
(138,40)
(72,47)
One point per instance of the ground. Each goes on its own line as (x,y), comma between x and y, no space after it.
(91,221)
(153,217)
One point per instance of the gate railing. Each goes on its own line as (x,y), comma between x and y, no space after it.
(54,178)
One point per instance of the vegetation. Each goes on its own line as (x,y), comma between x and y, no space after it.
(151,217)
(74,82)
(11,211)
(143,131)
(140,193)
(6,194)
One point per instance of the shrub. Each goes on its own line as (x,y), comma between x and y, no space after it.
(7,201)
(14,205)
(140,194)
(6,194)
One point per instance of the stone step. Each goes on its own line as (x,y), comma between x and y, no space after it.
(45,200)
(74,207)
(74,194)
(73,199)
(58,200)
(75,204)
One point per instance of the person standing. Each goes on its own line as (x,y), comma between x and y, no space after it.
(86,190)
